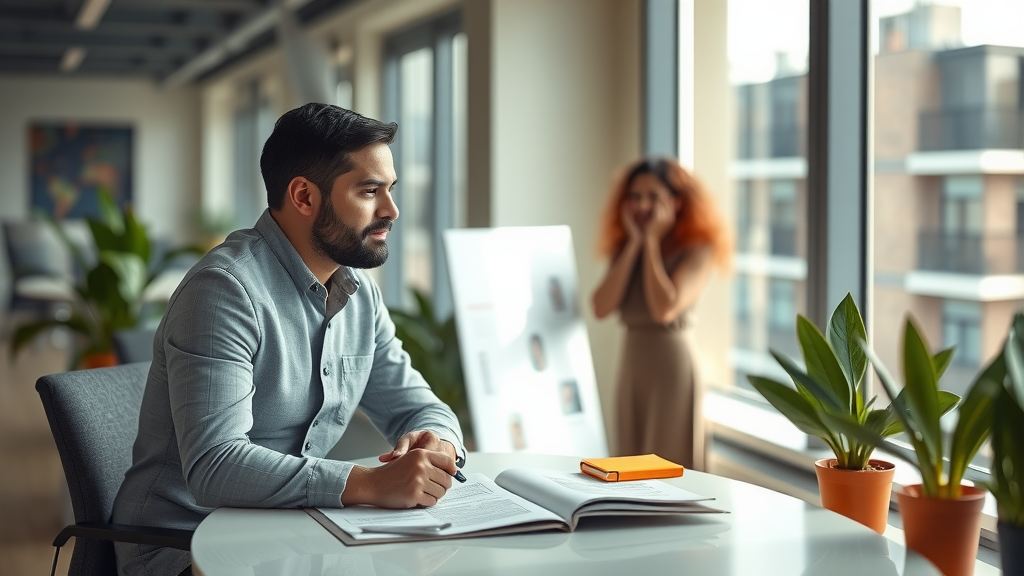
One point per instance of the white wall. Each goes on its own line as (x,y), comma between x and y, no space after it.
(165,170)
(565,115)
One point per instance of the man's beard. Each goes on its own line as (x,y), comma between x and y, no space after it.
(345,245)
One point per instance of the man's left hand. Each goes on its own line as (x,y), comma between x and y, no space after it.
(424,439)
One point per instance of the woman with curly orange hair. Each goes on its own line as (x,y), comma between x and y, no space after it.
(665,238)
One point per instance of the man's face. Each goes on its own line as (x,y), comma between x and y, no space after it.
(353,221)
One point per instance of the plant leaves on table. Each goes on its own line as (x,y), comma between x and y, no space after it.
(822,365)
(845,328)
(791,404)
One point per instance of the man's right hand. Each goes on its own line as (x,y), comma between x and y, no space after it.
(417,478)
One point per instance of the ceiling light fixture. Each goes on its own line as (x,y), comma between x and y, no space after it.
(91,13)
(72,59)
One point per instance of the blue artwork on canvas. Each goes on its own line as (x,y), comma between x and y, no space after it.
(71,163)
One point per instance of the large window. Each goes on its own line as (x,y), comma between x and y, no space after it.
(424,91)
(253,122)
(947,96)
(767,51)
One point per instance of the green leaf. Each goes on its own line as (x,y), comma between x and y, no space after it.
(972,427)
(131,274)
(942,360)
(26,332)
(106,239)
(922,388)
(425,307)
(845,328)
(791,404)
(947,401)
(822,365)
(110,214)
(924,459)
(1013,357)
(823,395)
(1007,482)
(136,241)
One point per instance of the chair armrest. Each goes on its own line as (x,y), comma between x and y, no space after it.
(167,537)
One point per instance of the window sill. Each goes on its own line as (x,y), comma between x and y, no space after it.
(758,445)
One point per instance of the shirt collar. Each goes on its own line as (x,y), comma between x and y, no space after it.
(303,278)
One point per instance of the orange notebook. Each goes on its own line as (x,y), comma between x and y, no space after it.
(643,467)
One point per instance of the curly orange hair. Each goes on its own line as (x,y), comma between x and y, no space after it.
(698,222)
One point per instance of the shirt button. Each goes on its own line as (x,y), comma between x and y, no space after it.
(315,422)
(308,446)
(327,371)
(328,325)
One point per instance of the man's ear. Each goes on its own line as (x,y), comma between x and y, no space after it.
(303,195)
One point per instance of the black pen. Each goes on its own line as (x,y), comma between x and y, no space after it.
(459,476)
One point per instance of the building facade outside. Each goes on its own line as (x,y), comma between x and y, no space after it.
(948,215)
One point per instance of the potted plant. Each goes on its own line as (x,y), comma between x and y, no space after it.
(433,348)
(110,297)
(941,517)
(827,401)
(1007,480)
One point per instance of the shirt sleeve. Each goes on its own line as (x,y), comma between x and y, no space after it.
(397,398)
(212,334)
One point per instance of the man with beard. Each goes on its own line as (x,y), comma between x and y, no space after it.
(270,344)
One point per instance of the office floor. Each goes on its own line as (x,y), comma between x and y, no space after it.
(33,501)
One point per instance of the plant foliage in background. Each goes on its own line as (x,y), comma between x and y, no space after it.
(828,398)
(110,297)
(941,459)
(433,348)
(1007,479)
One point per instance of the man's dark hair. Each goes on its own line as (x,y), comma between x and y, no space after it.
(314,141)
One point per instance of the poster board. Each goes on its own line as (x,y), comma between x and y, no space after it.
(525,351)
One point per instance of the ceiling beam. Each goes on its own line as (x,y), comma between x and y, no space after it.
(209,5)
(114,52)
(235,43)
(110,29)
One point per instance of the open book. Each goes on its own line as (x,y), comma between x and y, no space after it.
(518,500)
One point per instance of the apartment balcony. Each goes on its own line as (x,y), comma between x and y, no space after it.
(776,141)
(980,128)
(783,241)
(974,254)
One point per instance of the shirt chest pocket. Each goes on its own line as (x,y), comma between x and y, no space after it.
(355,372)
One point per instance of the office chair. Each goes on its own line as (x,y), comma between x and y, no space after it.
(135,345)
(94,417)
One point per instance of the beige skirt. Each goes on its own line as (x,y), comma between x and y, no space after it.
(658,398)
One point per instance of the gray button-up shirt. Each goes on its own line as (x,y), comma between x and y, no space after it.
(256,373)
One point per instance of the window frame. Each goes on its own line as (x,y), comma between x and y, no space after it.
(437,34)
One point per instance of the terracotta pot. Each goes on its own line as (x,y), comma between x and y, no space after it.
(943,531)
(1011,548)
(862,495)
(99,360)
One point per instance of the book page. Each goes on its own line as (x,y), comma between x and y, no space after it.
(574,494)
(475,506)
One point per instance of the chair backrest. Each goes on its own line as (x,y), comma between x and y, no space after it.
(134,345)
(35,248)
(94,418)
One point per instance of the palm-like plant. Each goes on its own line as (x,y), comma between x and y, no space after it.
(433,348)
(110,297)
(827,399)
(1007,481)
(941,460)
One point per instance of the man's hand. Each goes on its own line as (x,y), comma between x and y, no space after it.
(417,477)
(424,439)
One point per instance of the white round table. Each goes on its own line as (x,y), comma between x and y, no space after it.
(765,533)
